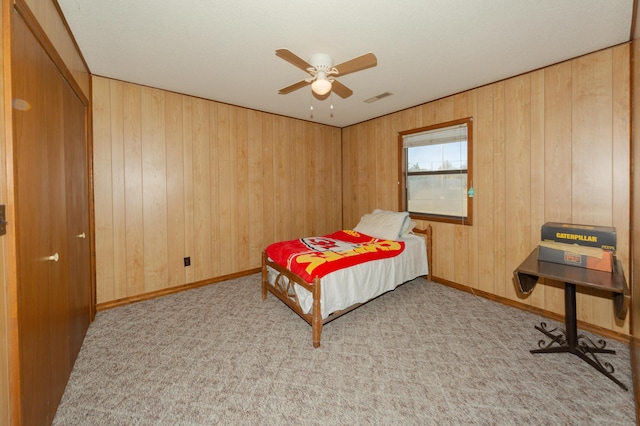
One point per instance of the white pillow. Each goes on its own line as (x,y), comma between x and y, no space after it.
(383,224)
(408,226)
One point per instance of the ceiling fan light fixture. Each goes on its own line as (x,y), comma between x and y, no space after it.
(321,86)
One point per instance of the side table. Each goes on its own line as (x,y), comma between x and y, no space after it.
(568,340)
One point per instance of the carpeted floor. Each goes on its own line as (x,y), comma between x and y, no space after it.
(422,354)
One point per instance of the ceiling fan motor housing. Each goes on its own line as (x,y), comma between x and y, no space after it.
(322,66)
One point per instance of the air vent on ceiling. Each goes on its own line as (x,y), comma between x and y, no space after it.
(378,97)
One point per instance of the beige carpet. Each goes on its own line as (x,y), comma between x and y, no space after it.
(422,354)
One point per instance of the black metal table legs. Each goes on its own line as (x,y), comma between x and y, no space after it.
(568,340)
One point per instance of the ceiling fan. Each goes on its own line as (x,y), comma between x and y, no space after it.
(322,72)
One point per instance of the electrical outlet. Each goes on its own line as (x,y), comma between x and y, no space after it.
(187,261)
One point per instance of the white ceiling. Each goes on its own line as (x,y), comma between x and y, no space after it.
(426,49)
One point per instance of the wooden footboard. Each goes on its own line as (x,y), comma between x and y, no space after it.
(283,289)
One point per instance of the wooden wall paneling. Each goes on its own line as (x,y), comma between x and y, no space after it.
(347,180)
(309,165)
(256,172)
(188,191)
(280,161)
(355,169)
(269,217)
(387,164)
(241,204)
(288,178)
(232,241)
(321,181)
(445,109)
(216,236)
(297,185)
(592,138)
(483,129)
(103,193)
(118,191)
(175,183)
(154,195)
(472,231)
(286,183)
(367,162)
(536,208)
(525,159)
(53,25)
(372,181)
(134,214)
(462,263)
(499,188)
(518,170)
(350,168)
(363,163)
(429,114)
(335,162)
(228,181)
(296,179)
(621,202)
(330,173)
(445,265)
(557,160)
(592,162)
(202,215)
(323,151)
(349,172)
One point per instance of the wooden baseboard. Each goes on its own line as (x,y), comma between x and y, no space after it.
(172,290)
(621,337)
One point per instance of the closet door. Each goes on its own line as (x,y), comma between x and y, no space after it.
(31,173)
(77,217)
(57,229)
(52,217)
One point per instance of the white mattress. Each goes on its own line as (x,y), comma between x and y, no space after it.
(359,283)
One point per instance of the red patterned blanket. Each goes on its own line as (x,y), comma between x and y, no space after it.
(317,256)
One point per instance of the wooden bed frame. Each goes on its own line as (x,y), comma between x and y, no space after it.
(283,289)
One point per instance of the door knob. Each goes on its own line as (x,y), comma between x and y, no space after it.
(83,235)
(55,257)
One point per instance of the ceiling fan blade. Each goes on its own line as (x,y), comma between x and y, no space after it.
(340,89)
(294,59)
(356,64)
(295,86)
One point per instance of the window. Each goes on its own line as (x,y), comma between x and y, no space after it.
(435,172)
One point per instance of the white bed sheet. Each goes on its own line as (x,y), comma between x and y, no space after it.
(359,283)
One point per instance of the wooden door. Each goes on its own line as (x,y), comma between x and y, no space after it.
(52,210)
(57,228)
(32,223)
(77,217)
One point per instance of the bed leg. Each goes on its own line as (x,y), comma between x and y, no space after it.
(316,321)
(264,275)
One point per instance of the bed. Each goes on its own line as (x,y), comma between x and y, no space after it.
(322,278)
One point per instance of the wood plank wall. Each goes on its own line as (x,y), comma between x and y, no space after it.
(47,12)
(178,176)
(550,145)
